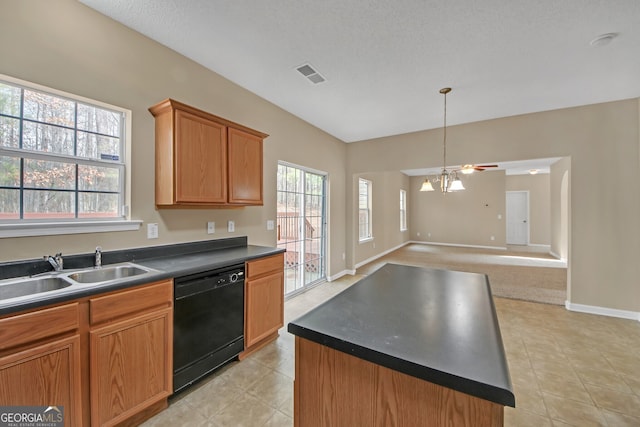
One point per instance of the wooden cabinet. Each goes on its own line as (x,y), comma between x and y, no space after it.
(245,168)
(199,160)
(40,362)
(205,160)
(264,302)
(131,352)
(106,359)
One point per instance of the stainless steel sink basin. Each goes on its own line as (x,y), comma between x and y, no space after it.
(107,273)
(32,286)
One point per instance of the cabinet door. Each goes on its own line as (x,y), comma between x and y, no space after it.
(130,366)
(45,375)
(245,168)
(200,160)
(265,307)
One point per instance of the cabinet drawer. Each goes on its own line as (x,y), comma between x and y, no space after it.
(29,327)
(266,265)
(113,306)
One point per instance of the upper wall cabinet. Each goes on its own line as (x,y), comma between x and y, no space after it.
(205,160)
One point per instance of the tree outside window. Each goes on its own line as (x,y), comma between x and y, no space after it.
(60,158)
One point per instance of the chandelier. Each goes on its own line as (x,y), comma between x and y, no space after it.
(447,180)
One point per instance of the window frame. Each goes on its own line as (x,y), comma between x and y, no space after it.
(368,210)
(403,210)
(40,227)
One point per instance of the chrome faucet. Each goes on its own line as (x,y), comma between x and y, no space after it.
(56,261)
(98,263)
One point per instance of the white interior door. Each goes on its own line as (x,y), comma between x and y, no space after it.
(517,217)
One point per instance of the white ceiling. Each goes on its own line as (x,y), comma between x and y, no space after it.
(385,61)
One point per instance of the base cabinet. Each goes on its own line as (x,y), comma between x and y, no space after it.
(128,367)
(40,360)
(106,360)
(264,301)
(44,375)
(130,352)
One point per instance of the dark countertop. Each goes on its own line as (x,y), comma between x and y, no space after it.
(437,325)
(166,262)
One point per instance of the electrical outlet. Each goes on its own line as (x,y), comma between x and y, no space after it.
(493,237)
(270,225)
(428,234)
(231,226)
(152,231)
(418,234)
(211,227)
(499,216)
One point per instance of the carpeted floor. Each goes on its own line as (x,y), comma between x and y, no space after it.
(517,273)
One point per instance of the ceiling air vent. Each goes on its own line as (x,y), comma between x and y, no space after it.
(310,73)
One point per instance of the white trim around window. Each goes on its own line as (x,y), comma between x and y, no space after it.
(120,160)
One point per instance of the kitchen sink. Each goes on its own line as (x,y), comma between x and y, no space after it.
(107,273)
(32,286)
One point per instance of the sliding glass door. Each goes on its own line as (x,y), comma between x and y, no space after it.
(301,225)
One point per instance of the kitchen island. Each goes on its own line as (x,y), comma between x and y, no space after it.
(405,346)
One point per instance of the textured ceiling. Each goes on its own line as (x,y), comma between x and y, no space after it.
(385,61)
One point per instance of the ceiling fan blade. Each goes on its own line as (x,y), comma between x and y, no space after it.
(483,167)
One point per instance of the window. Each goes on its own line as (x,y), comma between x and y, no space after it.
(61,157)
(403,210)
(364,210)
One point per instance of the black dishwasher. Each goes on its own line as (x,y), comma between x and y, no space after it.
(208,322)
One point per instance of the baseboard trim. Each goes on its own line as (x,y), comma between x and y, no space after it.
(381,254)
(340,274)
(424,242)
(602,311)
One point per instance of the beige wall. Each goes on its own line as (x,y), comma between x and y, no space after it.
(538,187)
(64,45)
(560,207)
(604,243)
(468,217)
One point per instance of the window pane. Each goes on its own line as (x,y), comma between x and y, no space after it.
(9,132)
(97,205)
(50,139)
(9,100)
(98,178)
(98,147)
(48,108)
(98,120)
(9,204)
(9,172)
(39,204)
(44,174)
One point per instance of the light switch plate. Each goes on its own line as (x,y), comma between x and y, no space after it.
(270,225)
(152,231)
(231,226)
(211,227)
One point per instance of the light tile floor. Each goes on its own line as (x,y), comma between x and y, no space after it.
(568,369)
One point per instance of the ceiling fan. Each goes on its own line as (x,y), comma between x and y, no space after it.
(467,169)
